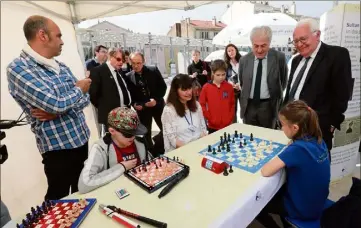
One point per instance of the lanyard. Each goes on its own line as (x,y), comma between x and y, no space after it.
(187,119)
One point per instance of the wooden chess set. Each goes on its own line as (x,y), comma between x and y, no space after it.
(58,214)
(156,173)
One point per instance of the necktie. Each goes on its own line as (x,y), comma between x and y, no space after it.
(257,85)
(298,80)
(126,100)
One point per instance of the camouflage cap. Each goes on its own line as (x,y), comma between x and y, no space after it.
(126,120)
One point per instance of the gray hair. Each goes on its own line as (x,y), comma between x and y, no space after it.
(33,24)
(312,23)
(262,31)
(137,53)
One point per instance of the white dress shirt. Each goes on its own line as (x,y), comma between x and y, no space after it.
(300,65)
(112,70)
(264,86)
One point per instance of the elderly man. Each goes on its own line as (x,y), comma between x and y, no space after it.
(149,90)
(263,78)
(320,76)
(109,88)
(54,100)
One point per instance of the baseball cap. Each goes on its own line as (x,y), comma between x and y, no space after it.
(125,120)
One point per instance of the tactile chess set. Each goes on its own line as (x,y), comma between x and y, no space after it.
(155,173)
(58,214)
(244,152)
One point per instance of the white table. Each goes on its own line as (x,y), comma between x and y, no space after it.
(203,199)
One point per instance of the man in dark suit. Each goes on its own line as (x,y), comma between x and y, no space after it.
(263,78)
(320,76)
(109,88)
(148,90)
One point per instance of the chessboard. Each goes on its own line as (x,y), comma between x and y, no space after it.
(157,172)
(242,151)
(58,214)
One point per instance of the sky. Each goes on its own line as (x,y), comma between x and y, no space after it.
(156,23)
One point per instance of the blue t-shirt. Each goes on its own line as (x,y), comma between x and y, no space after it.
(308,178)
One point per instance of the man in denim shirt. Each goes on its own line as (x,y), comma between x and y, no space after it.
(53,100)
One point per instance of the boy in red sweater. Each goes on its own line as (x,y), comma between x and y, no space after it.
(217,99)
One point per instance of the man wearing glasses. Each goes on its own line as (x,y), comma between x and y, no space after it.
(320,76)
(109,88)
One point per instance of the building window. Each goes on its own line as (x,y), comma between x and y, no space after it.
(204,35)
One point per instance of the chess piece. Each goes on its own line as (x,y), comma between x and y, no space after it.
(240,135)
(232,140)
(251,138)
(173,158)
(32,210)
(177,159)
(214,151)
(225,173)
(210,148)
(240,144)
(245,142)
(230,169)
(17,225)
(221,139)
(236,133)
(225,136)
(160,164)
(223,146)
(228,148)
(156,165)
(219,149)
(167,160)
(135,171)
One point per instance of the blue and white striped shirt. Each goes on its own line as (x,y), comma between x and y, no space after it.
(35,85)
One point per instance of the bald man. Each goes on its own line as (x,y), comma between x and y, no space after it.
(54,99)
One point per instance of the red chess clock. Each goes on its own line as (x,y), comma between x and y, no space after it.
(213,164)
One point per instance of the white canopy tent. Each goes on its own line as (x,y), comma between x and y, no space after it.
(22,178)
(238,32)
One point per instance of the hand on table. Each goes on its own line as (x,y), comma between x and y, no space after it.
(151,103)
(42,115)
(129,164)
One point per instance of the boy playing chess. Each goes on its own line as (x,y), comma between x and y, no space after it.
(307,165)
(217,99)
(118,151)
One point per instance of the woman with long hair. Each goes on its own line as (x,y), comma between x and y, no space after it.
(232,57)
(182,117)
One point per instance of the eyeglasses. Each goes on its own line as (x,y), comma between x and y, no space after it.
(126,135)
(118,59)
(303,39)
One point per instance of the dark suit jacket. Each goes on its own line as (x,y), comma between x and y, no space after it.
(327,85)
(276,78)
(154,81)
(104,94)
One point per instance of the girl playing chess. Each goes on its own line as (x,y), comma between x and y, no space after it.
(118,151)
(307,165)
(182,117)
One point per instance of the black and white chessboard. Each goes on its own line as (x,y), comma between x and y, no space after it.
(252,154)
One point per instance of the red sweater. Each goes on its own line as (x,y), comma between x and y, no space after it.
(218,104)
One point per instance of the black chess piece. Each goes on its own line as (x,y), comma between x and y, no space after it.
(229,137)
(32,210)
(29,218)
(145,168)
(38,209)
(160,164)
(225,173)
(228,148)
(140,169)
(244,142)
(240,144)
(232,140)
(156,165)
(167,160)
(25,223)
(251,138)
(135,171)
(236,133)
(209,148)
(223,147)
(173,158)
(214,151)
(240,135)
(177,159)
(162,158)
(221,138)
(219,149)
(17,225)
(230,169)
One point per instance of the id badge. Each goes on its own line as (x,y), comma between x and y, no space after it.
(192,128)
